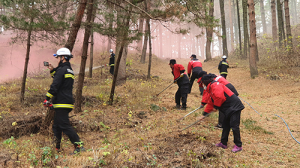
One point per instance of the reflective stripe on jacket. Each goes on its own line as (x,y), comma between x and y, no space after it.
(223,65)
(61,88)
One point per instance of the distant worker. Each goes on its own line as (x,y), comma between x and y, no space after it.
(223,65)
(230,105)
(194,67)
(112,61)
(183,83)
(62,98)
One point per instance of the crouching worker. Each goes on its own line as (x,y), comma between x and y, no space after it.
(205,97)
(62,98)
(230,105)
(183,83)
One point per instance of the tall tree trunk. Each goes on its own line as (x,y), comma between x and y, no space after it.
(225,51)
(87,34)
(280,20)
(150,49)
(124,41)
(91,55)
(231,26)
(246,35)
(26,61)
(263,16)
(252,59)
(274,25)
(141,28)
(239,26)
(143,57)
(283,28)
(92,44)
(121,76)
(288,25)
(76,25)
(144,51)
(110,26)
(209,31)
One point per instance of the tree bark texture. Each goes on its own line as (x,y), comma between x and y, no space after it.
(92,44)
(150,49)
(252,59)
(246,35)
(263,16)
(87,34)
(280,28)
(26,61)
(239,26)
(209,32)
(76,25)
(225,51)
(144,51)
(274,25)
(288,25)
(91,55)
(140,42)
(143,57)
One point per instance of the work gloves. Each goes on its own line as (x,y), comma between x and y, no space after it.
(47,103)
(201,106)
(181,75)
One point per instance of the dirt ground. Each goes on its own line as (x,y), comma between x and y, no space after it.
(133,133)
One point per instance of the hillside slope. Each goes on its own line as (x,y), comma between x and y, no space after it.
(140,129)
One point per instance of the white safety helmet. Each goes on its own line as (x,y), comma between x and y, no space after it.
(224,56)
(63,52)
(111,50)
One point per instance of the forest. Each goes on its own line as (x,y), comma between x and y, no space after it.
(129,118)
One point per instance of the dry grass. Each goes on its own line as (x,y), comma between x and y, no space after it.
(132,134)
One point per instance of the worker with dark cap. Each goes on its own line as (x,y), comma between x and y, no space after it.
(230,105)
(183,83)
(194,67)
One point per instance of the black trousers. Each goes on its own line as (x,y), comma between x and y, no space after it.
(221,118)
(62,125)
(181,94)
(232,122)
(111,70)
(193,77)
(224,75)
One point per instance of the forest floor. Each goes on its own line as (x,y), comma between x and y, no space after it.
(140,129)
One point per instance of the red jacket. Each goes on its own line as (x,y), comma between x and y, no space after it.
(205,96)
(223,99)
(192,64)
(176,70)
(221,79)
